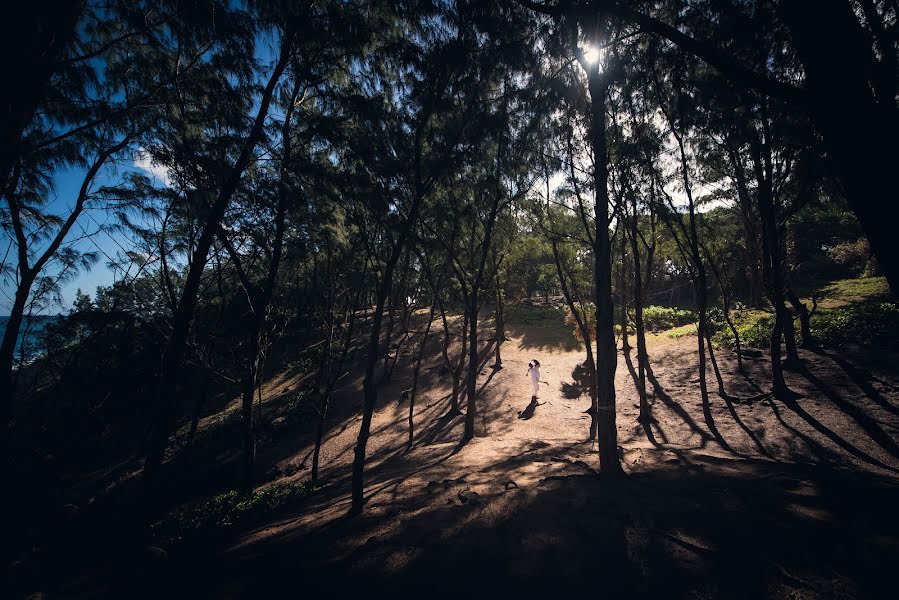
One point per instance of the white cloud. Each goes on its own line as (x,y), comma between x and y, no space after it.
(157,172)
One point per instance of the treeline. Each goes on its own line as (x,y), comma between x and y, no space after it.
(326,170)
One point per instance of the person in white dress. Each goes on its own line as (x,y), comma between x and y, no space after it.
(534,373)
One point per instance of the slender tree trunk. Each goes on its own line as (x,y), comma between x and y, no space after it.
(173,356)
(416,371)
(471,405)
(606,355)
(771,262)
(8,350)
(805,319)
(369,389)
(622,294)
(248,437)
(645,414)
(460,366)
(333,376)
(585,334)
(500,324)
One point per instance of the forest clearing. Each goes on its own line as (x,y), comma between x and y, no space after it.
(458,297)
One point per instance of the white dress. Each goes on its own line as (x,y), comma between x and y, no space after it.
(534,372)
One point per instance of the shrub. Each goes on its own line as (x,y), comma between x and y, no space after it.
(524,314)
(208,515)
(853,256)
(754,327)
(659,318)
(873,324)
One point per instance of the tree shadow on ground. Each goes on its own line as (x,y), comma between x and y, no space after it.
(741,529)
(542,328)
(580,385)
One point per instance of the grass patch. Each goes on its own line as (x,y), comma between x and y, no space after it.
(524,314)
(661,318)
(753,326)
(679,332)
(843,292)
(851,311)
(214,515)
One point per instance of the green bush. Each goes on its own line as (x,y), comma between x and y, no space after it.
(660,318)
(874,324)
(208,515)
(524,314)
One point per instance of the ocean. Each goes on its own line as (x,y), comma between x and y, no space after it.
(29,333)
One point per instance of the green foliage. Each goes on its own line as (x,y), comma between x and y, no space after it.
(854,256)
(872,324)
(679,332)
(524,314)
(208,515)
(851,312)
(660,318)
(845,291)
(753,326)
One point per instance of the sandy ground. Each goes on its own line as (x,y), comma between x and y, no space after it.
(775,499)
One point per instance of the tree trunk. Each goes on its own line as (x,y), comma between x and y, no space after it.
(606,355)
(8,351)
(771,262)
(841,81)
(473,365)
(805,319)
(250,380)
(500,324)
(622,294)
(645,414)
(369,389)
(173,355)
(414,391)
(585,334)
(460,366)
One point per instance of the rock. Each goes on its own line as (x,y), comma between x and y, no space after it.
(279,422)
(469,497)
(511,485)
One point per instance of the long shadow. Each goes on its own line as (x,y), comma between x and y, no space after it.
(729,402)
(647,424)
(862,379)
(664,533)
(871,427)
(530,409)
(819,450)
(796,408)
(749,432)
(676,408)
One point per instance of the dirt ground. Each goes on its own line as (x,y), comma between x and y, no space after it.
(778,499)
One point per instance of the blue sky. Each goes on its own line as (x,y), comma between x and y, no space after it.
(66,186)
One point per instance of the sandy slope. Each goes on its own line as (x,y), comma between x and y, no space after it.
(774,499)
(753,509)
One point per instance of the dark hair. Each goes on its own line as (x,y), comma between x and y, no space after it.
(536,362)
